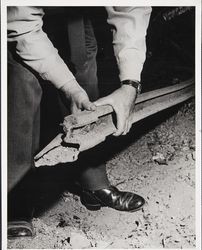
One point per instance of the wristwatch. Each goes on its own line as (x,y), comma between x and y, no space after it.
(135,84)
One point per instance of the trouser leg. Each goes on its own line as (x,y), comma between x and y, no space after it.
(86,74)
(92,169)
(92,172)
(24,95)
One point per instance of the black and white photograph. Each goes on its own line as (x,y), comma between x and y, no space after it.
(101,125)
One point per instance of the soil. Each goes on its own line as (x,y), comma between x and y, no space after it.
(157,162)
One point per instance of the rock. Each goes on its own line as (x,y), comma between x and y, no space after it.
(120,244)
(79,240)
(171,157)
(160,159)
(192,146)
(102,244)
(185,148)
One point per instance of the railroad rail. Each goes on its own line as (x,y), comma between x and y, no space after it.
(87,129)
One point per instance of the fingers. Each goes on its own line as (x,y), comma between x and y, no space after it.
(120,125)
(87,105)
(83,103)
(123,128)
(122,119)
(127,128)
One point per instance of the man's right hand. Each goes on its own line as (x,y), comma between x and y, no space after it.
(78,97)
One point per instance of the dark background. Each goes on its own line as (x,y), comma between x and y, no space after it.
(170,44)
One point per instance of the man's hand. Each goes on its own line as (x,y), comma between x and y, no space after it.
(123,102)
(78,97)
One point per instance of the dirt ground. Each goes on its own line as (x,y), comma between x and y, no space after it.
(159,164)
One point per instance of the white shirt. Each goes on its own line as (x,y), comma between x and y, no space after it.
(129,25)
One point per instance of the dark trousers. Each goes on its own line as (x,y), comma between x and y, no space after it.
(92,173)
(24,97)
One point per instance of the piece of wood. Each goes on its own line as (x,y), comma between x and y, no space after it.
(88,129)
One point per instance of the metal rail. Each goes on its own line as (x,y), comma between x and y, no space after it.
(88,129)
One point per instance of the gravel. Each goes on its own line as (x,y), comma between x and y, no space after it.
(159,164)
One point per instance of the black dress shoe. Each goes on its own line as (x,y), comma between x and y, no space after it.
(111,197)
(20,223)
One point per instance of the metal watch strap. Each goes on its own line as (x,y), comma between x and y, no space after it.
(135,84)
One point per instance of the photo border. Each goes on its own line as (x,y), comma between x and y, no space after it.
(4,4)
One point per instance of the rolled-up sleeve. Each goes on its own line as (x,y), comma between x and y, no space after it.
(129,26)
(33,45)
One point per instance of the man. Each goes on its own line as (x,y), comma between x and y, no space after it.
(32,56)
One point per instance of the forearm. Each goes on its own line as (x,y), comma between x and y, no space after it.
(34,47)
(129,26)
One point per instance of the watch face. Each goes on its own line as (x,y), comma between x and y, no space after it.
(139,88)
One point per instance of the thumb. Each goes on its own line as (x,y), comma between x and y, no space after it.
(103,101)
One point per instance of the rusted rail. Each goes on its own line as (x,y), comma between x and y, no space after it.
(87,129)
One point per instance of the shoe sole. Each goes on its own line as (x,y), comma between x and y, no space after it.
(92,207)
(95,207)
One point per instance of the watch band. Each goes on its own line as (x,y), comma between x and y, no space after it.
(135,84)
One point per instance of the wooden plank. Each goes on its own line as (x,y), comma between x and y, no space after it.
(88,129)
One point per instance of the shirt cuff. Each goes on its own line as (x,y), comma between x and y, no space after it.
(59,74)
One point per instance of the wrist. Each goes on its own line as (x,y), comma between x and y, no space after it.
(129,90)
(71,87)
(133,84)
